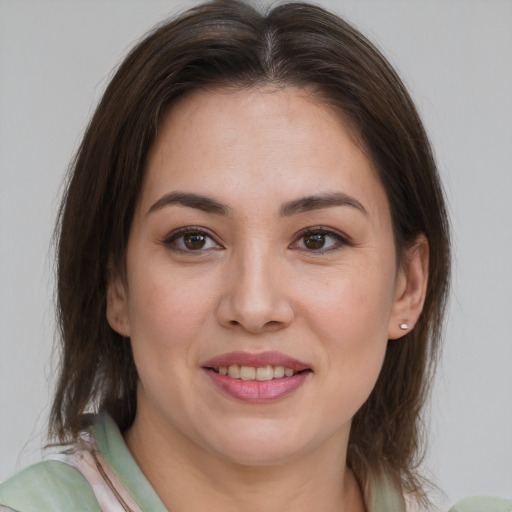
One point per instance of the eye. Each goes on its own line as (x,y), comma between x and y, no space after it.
(190,240)
(319,240)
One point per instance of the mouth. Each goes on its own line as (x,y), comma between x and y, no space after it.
(257,378)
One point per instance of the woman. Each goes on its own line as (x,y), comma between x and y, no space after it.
(253,265)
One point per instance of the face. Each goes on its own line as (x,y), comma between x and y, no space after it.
(261,285)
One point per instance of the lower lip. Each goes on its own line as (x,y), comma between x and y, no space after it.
(257,392)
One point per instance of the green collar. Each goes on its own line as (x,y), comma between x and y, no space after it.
(113,448)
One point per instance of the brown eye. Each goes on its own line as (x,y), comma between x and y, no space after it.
(190,240)
(314,241)
(194,241)
(320,241)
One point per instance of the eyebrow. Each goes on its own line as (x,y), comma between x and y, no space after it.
(319,202)
(302,205)
(203,203)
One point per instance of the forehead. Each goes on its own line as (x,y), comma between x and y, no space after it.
(262,142)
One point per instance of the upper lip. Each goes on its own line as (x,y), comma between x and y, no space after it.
(269,358)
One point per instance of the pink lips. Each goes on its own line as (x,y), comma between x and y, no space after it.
(257,391)
(261,359)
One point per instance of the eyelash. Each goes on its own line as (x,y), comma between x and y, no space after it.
(172,239)
(339,239)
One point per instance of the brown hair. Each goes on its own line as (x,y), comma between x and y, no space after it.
(230,43)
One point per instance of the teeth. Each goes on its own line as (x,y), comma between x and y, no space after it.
(261,373)
(247,372)
(265,373)
(234,371)
(278,372)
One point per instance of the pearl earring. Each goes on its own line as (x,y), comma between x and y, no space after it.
(404,326)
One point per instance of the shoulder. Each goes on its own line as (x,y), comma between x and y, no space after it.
(50,485)
(483,504)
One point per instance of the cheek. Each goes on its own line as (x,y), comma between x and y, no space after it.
(355,336)
(352,327)
(351,305)
(350,317)
(166,314)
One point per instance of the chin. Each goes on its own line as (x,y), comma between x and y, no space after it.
(261,447)
(259,456)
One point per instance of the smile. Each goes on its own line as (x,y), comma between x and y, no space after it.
(261,373)
(257,378)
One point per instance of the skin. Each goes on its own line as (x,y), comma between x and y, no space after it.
(255,286)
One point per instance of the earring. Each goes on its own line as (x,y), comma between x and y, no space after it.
(404,326)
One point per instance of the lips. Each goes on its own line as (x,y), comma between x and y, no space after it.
(257,378)
(256,360)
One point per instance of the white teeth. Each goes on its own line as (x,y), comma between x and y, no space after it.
(288,372)
(261,373)
(278,372)
(234,371)
(265,373)
(247,372)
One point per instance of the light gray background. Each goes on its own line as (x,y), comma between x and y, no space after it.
(456,58)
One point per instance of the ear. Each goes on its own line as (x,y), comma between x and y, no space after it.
(411,288)
(117,305)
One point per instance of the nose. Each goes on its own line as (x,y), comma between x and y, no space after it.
(256,296)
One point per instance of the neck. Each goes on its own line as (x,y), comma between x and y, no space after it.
(177,469)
